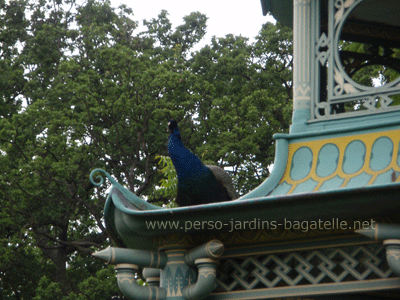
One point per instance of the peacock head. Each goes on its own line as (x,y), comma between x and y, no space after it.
(172,125)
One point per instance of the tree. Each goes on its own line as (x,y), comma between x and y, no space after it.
(94,95)
(370,65)
(243,96)
(84,91)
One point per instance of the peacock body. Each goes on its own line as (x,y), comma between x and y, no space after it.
(197,183)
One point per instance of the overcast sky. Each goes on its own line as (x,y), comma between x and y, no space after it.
(224,16)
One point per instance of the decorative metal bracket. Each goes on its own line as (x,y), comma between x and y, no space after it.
(127,265)
(129,261)
(142,258)
(393,255)
(207,274)
(337,93)
(390,234)
(126,275)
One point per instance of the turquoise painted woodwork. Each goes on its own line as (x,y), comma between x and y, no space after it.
(207,273)
(326,222)
(301,163)
(294,273)
(333,183)
(142,258)
(126,278)
(328,158)
(174,268)
(176,275)
(324,74)
(356,183)
(341,160)
(382,232)
(354,163)
(152,276)
(305,186)
(381,153)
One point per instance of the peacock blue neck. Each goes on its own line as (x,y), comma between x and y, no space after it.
(187,164)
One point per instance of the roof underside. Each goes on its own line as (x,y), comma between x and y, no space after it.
(370,11)
(281,10)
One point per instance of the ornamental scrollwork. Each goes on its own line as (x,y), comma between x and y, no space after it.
(383,100)
(341,85)
(323,49)
(341,5)
(346,46)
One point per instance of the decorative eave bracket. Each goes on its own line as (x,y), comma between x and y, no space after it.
(390,235)
(129,261)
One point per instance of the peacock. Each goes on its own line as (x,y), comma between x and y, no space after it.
(197,183)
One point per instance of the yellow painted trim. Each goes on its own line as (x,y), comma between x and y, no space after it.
(177,262)
(342,142)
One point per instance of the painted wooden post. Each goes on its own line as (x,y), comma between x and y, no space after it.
(302,35)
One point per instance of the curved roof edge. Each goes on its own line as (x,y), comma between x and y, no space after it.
(281,158)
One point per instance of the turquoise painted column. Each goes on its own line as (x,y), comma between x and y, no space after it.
(177,274)
(173,273)
(302,65)
(190,274)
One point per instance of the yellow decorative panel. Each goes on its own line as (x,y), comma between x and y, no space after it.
(348,161)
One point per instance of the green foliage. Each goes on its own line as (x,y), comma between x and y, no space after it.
(80,90)
(366,75)
(102,285)
(243,96)
(48,290)
(168,183)
(370,65)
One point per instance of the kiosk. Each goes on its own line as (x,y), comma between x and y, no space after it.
(326,223)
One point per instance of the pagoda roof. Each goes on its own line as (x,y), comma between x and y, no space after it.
(343,174)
